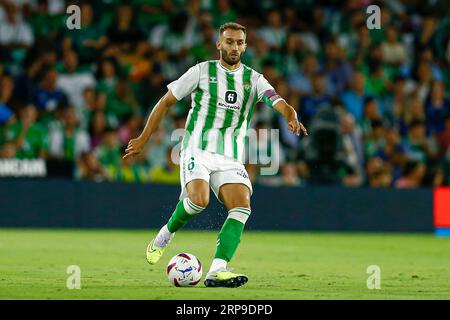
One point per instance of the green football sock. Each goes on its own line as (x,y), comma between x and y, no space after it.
(184,212)
(231,232)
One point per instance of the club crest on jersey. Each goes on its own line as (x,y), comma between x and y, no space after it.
(247,86)
(212,79)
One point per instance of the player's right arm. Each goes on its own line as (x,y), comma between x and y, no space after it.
(177,90)
(135,146)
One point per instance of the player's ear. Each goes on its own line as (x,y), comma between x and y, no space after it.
(218,43)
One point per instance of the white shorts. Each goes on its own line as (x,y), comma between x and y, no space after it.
(214,168)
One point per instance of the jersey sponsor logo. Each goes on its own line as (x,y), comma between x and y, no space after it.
(230,96)
(242,173)
(229,106)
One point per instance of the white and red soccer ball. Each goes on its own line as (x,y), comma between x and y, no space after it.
(184,270)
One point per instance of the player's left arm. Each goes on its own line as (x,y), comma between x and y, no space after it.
(290,115)
(268,94)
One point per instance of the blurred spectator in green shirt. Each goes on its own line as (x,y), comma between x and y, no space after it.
(169,173)
(109,151)
(67,140)
(45,24)
(28,136)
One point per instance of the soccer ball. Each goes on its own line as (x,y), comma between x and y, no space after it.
(184,270)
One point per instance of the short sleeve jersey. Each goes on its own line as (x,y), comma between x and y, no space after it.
(222,105)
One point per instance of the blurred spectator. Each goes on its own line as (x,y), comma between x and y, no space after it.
(68,141)
(337,70)
(93,101)
(423,78)
(124,33)
(8,151)
(43,22)
(29,137)
(121,103)
(129,171)
(109,151)
(378,77)
(150,13)
(136,62)
(394,52)
(89,38)
(289,175)
(412,176)
(353,98)
(434,177)
(72,81)
(97,128)
(317,98)
(381,178)
(107,75)
(206,47)
(6,114)
(6,89)
(393,151)
(395,100)
(15,33)
(157,148)
(273,32)
(302,80)
(413,109)
(443,137)
(89,168)
(352,145)
(223,12)
(130,130)
(376,139)
(174,38)
(258,54)
(47,96)
(370,114)
(424,38)
(169,173)
(379,174)
(419,147)
(436,108)
(150,89)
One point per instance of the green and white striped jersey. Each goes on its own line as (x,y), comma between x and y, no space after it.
(222,106)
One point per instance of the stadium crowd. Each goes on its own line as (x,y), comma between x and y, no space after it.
(375,102)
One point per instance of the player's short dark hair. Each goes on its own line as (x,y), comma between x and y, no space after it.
(233,26)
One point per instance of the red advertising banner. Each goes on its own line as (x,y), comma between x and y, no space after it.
(442,211)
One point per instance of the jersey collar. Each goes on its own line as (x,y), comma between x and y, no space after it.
(228,70)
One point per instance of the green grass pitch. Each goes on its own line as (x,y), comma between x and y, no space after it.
(280,265)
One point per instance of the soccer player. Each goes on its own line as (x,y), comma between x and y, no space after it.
(224,94)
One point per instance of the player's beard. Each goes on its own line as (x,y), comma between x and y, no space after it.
(230,61)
